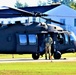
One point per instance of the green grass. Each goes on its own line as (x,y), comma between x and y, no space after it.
(5,56)
(37,68)
(40,68)
(69,55)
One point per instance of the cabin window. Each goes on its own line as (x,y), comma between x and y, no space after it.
(74,22)
(23,39)
(32,39)
(62,21)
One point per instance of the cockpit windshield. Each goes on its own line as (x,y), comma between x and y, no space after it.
(72,37)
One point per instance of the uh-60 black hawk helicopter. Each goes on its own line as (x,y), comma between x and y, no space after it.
(25,38)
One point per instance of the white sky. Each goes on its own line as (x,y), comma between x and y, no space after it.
(12,2)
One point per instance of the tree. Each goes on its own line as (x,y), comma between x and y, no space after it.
(18,4)
(44,3)
(40,3)
(73,5)
(55,1)
(25,5)
(49,2)
(67,2)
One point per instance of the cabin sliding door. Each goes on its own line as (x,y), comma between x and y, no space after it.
(27,43)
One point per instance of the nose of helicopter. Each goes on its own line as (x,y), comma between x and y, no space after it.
(75,45)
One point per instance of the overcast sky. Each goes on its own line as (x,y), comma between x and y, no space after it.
(11,3)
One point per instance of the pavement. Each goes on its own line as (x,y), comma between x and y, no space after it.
(13,60)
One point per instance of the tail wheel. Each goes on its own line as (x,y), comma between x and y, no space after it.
(35,56)
(57,55)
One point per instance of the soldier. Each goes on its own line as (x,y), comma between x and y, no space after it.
(48,42)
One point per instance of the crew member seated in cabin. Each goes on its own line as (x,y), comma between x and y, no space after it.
(48,42)
(60,38)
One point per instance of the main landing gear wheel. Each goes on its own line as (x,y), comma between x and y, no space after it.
(57,55)
(35,56)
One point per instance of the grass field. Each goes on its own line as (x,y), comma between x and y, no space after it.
(5,56)
(69,55)
(40,68)
(37,68)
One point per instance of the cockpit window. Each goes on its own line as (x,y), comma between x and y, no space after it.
(72,37)
(32,39)
(66,38)
(60,38)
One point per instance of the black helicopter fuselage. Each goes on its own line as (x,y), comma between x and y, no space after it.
(28,39)
(19,38)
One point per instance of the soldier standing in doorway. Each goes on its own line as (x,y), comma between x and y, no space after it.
(48,43)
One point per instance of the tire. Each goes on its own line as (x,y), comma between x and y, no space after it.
(57,55)
(35,56)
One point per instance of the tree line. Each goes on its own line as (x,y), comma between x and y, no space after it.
(69,3)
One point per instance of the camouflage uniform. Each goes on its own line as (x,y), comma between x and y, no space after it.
(48,42)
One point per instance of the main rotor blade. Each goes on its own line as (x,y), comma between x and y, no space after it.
(14,12)
(56,22)
(38,14)
(52,20)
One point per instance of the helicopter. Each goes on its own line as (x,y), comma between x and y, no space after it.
(28,38)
